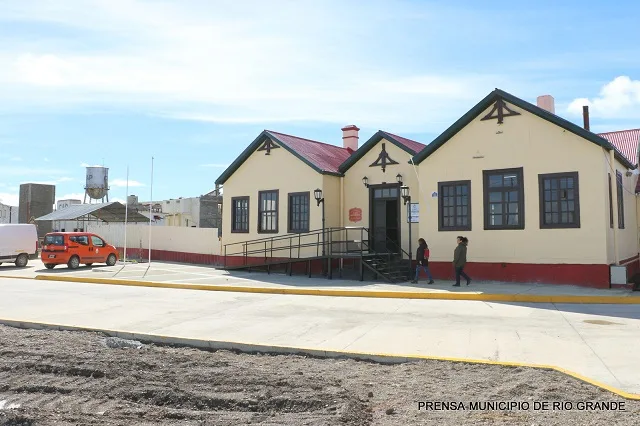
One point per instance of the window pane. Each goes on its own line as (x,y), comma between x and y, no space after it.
(495,197)
(495,208)
(512,219)
(496,220)
(513,207)
(513,196)
(495,181)
(393,192)
(510,180)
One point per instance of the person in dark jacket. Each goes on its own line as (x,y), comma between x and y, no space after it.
(460,260)
(422,258)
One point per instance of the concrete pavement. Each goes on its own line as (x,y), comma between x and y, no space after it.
(596,341)
(172,273)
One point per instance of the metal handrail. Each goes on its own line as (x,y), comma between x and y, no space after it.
(268,246)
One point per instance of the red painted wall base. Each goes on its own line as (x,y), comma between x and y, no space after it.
(596,276)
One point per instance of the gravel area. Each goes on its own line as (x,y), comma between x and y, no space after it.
(73,378)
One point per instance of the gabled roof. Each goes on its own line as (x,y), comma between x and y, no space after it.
(626,141)
(321,157)
(533,109)
(408,145)
(108,212)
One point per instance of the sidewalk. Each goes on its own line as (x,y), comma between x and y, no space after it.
(173,275)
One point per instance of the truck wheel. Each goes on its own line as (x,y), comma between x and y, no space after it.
(22,260)
(111,260)
(49,265)
(74,262)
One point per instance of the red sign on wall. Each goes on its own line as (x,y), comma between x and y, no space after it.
(355,214)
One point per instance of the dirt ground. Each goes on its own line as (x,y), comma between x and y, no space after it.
(72,378)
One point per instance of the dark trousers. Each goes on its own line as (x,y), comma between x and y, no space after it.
(423,265)
(460,273)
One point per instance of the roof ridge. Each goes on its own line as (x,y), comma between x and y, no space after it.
(403,137)
(306,139)
(619,131)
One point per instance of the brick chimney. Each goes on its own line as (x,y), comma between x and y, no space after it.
(547,102)
(350,137)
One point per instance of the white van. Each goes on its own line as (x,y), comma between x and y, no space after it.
(18,243)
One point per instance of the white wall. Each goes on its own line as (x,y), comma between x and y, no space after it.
(170,238)
(5,211)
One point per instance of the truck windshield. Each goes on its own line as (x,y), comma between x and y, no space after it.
(54,240)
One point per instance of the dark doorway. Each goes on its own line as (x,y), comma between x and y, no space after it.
(385,218)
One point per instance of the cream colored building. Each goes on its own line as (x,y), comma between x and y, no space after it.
(541,199)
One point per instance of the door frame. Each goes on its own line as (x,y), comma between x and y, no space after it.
(384,185)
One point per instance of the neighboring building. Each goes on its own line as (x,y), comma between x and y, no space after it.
(69,225)
(540,198)
(8,214)
(194,212)
(36,200)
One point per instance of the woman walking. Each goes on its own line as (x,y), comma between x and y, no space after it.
(460,260)
(422,258)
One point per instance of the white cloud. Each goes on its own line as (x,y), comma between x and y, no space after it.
(618,99)
(9,198)
(15,159)
(215,165)
(235,62)
(123,183)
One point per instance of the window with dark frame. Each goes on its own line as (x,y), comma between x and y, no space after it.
(503,199)
(240,214)
(299,212)
(454,206)
(610,203)
(559,200)
(268,211)
(620,192)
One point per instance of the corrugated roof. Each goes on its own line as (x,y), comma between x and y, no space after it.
(414,146)
(108,212)
(626,141)
(324,156)
(411,147)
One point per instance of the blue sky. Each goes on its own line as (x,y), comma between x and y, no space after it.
(192,82)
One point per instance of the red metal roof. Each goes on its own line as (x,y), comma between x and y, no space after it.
(626,141)
(414,146)
(324,156)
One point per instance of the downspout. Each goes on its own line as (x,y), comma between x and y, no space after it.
(341,201)
(616,254)
(341,221)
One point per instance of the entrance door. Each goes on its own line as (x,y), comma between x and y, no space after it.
(385,218)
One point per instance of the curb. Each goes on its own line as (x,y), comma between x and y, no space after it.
(16,277)
(526,298)
(319,353)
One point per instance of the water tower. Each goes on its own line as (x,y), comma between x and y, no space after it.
(97,187)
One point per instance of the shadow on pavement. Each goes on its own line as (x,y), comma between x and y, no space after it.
(5,267)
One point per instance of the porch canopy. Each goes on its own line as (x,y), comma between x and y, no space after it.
(106,212)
